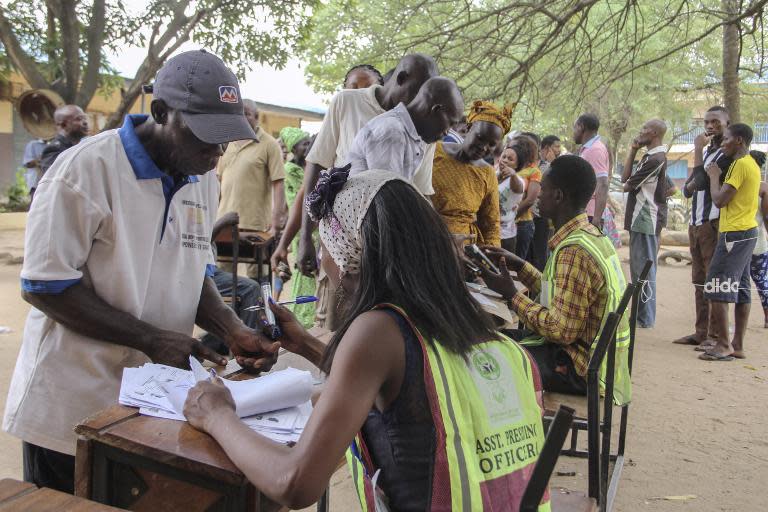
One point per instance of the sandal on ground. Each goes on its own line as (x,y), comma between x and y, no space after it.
(711,356)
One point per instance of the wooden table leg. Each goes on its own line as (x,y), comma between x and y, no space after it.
(83,467)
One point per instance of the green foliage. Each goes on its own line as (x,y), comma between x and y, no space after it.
(239,31)
(627,61)
(18,194)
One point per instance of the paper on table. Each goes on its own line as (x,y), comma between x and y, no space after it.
(494,307)
(161,413)
(282,426)
(198,371)
(278,390)
(484,290)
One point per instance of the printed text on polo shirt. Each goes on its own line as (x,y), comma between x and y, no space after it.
(195,236)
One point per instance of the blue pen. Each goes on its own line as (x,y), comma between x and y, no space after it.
(212,373)
(301,299)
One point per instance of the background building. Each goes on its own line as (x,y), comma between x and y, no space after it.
(14,136)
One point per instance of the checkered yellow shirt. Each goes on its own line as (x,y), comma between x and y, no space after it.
(579,300)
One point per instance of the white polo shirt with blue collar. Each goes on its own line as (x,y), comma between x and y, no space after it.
(105,216)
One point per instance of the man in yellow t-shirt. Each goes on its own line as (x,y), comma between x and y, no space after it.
(728,276)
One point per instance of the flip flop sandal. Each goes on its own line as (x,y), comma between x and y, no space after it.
(686,340)
(709,356)
(704,347)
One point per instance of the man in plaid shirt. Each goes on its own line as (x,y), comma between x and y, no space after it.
(570,311)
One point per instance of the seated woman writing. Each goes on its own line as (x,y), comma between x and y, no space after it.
(427,400)
(466,189)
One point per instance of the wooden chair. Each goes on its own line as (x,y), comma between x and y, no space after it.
(244,246)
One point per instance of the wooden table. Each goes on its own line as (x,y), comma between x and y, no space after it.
(143,463)
(15,495)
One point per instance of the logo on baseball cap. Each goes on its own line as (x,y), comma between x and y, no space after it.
(206,92)
(228,94)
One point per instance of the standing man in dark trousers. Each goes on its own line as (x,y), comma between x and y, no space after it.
(704,223)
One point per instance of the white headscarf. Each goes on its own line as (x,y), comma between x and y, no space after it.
(340,230)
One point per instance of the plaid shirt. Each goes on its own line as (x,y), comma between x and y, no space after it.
(577,307)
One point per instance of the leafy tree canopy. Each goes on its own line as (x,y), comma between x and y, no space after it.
(625,60)
(62,44)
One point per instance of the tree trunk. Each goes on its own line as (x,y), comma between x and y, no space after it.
(144,74)
(731,51)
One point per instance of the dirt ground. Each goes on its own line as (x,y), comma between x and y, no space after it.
(697,431)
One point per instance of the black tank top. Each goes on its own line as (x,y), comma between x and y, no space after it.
(401,440)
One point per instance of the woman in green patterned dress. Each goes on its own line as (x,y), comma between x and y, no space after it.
(297,142)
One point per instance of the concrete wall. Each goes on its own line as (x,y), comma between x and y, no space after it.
(8,160)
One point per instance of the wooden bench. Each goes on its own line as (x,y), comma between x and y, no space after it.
(23,496)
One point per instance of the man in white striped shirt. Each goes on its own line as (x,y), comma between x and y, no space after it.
(703,228)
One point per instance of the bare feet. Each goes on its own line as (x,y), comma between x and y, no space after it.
(690,339)
(739,354)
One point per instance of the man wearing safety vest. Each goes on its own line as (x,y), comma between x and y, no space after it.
(581,284)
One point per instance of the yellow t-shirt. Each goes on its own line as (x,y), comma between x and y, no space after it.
(739,214)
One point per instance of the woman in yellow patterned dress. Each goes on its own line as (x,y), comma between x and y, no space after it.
(466,190)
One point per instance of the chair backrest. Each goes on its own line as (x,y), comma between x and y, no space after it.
(636,298)
(545,464)
(609,332)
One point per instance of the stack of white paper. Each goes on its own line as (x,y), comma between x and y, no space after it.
(277,405)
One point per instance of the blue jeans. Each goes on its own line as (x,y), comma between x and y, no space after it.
(644,247)
(248,293)
(525,231)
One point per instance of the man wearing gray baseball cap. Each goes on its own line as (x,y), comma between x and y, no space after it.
(117,262)
(201,87)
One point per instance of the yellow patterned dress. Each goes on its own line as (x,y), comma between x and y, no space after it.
(466,197)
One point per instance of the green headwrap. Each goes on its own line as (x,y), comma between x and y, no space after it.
(291,135)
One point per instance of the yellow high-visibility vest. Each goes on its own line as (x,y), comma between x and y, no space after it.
(602,251)
(488,425)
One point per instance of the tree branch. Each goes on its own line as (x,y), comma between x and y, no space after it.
(95,38)
(22,61)
(70,41)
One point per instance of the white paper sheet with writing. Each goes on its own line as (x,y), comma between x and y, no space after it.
(276,405)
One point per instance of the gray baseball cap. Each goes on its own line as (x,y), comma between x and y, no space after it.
(206,92)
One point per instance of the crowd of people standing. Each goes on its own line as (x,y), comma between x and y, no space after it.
(422,386)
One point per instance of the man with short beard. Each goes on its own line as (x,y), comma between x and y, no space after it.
(117,262)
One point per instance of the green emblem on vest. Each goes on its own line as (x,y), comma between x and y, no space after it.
(486,365)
